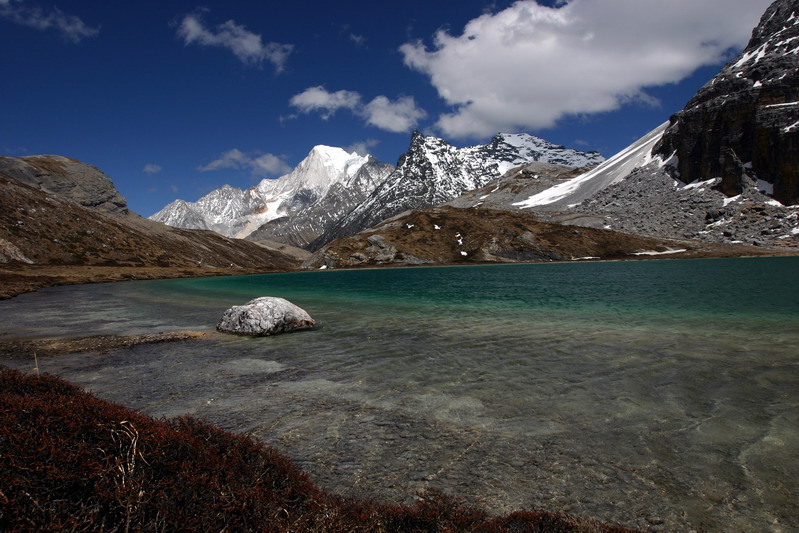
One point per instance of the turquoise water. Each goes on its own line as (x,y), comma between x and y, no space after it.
(653,394)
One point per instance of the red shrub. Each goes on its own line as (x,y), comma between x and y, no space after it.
(72,462)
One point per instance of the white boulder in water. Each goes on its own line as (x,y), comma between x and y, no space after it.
(264,316)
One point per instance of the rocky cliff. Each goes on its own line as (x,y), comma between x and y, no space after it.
(745,121)
(66,177)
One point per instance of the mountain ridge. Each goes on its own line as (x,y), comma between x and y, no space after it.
(434,171)
(307,206)
(448,235)
(235,212)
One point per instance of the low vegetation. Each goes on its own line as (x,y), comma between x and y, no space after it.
(72,462)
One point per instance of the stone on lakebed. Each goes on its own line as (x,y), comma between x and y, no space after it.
(264,316)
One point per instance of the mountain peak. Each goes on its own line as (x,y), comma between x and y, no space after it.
(433,171)
(323,166)
(329,152)
(236,213)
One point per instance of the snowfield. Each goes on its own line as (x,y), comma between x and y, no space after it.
(611,171)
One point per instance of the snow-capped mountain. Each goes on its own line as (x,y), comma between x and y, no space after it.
(311,219)
(433,171)
(238,212)
(182,214)
(511,150)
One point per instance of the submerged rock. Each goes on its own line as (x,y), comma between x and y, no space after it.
(264,316)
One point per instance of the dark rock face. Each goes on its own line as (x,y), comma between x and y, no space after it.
(68,178)
(744,123)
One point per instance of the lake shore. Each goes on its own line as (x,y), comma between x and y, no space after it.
(91,463)
(18,278)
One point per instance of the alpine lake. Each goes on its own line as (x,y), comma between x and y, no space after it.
(657,394)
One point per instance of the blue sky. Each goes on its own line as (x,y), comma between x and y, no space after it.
(173,99)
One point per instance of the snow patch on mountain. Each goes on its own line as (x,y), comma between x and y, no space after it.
(611,171)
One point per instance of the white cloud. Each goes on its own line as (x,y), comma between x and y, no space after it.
(394,116)
(71,28)
(257,163)
(326,103)
(529,65)
(269,164)
(152,168)
(362,148)
(234,158)
(246,45)
(399,116)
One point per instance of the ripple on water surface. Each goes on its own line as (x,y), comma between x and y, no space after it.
(657,394)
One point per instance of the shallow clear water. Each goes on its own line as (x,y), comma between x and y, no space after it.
(656,394)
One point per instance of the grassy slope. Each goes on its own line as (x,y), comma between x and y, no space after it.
(64,243)
(72,462)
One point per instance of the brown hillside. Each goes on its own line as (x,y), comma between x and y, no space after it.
(46,239)
(447,235)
